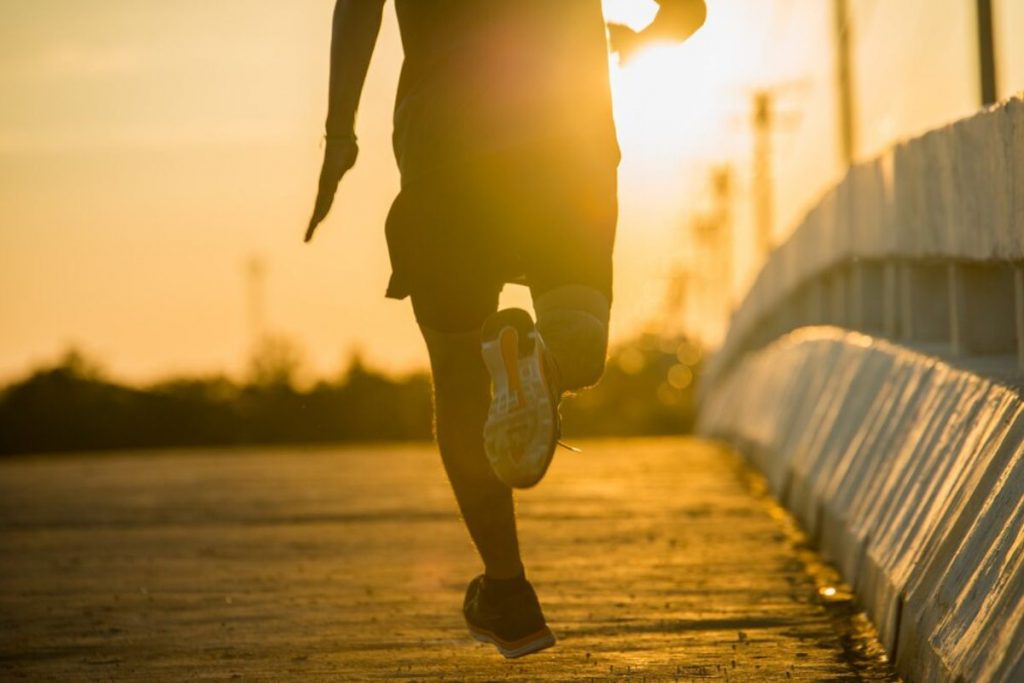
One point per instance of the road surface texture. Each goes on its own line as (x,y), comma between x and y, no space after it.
(656,560)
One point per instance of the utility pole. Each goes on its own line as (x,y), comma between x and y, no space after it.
(844,82)
(256,274)
(721,185)
(986,52)
(763,121)
(711,236)
(675,305)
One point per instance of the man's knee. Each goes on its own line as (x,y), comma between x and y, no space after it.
(579,343)
(573,320)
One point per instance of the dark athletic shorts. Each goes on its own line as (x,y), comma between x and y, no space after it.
(542,215)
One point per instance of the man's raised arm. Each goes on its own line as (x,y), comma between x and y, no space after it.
(353,36)
(675,22)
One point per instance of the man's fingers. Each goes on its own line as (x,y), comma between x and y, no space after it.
(324,201)
(338,159)
(328,186)
(314,221)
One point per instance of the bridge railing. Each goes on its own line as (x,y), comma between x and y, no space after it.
(906,470)
(924,244)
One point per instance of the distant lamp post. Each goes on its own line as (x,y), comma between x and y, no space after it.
(256,275)
(763,121)
(844,82)
(986,53)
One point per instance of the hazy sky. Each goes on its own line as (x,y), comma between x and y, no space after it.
(149,150)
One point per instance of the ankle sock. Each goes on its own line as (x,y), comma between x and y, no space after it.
(500,587)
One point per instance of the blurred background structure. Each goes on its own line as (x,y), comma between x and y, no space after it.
(148,153)
(822,222)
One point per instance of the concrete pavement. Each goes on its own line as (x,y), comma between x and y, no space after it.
(656,560)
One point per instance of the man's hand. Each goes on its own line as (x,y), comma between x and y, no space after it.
(675,22)
(339,156)
(624,41)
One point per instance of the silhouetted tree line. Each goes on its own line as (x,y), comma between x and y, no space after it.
(73,406)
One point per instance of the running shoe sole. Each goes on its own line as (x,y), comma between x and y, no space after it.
(535,642)
(522,428)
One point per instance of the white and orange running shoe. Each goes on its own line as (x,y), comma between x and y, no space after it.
(523,425)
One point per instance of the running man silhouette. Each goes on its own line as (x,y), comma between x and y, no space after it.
(505,141)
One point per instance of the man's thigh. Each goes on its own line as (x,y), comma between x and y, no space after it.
(455,305)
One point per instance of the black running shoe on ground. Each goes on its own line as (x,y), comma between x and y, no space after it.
(523,425)
(509,619)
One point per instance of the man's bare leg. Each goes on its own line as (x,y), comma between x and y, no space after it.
(461,399)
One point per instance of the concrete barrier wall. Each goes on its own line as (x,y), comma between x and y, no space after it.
(924,244)
(909,474)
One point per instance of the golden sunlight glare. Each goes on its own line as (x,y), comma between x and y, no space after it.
(673,102)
